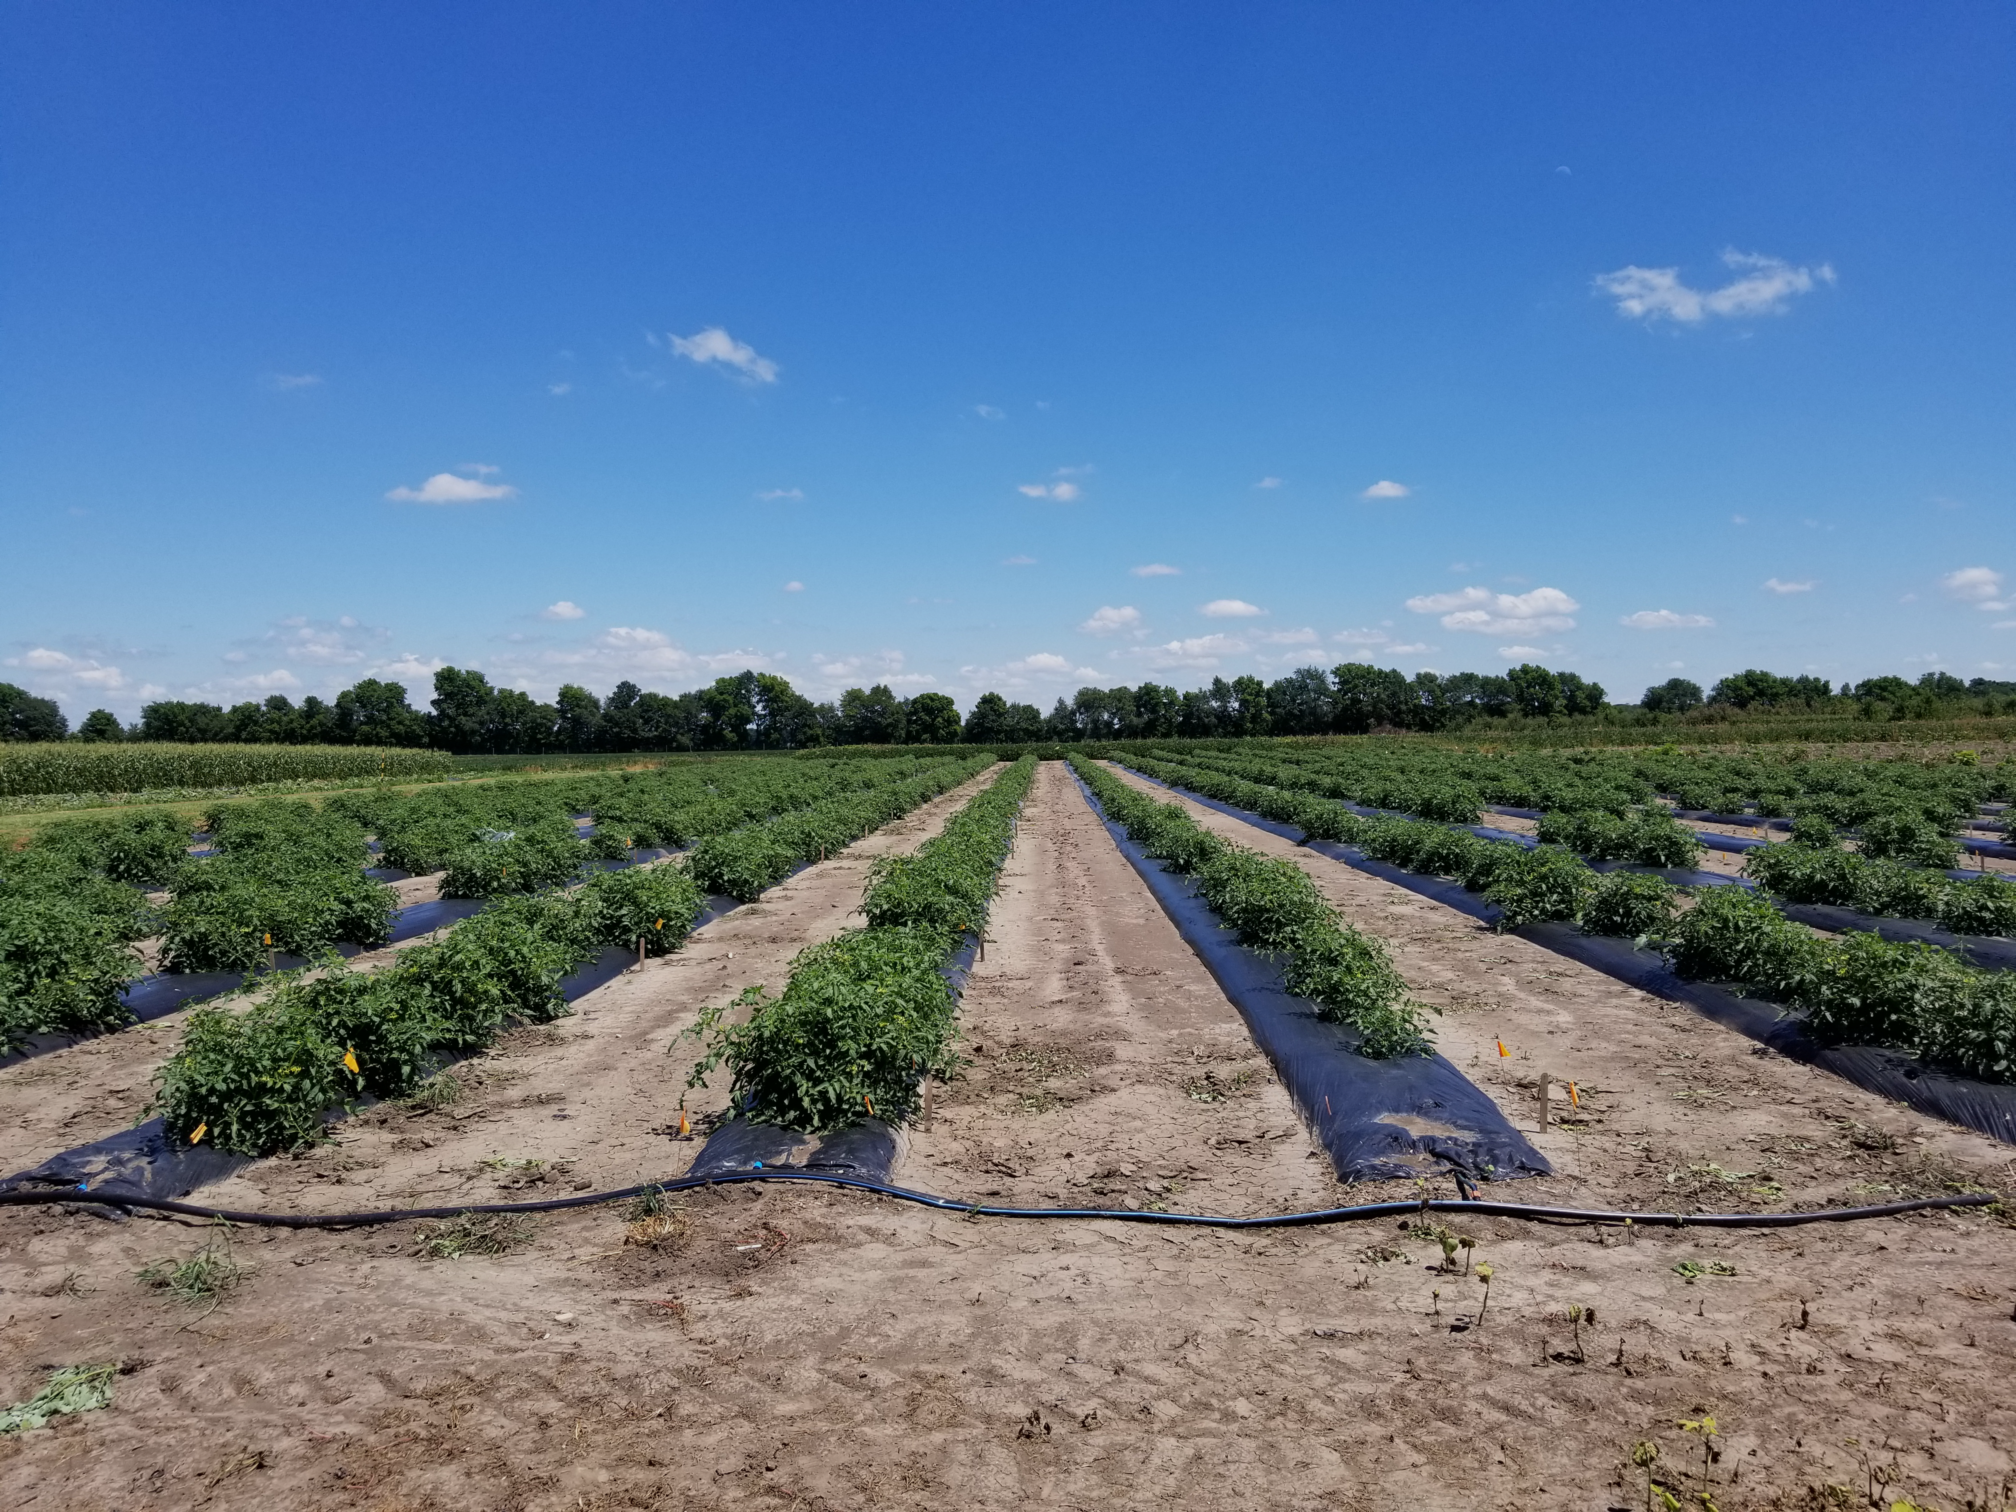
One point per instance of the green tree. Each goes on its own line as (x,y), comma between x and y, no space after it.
(101,724)
(1158,711)
(1676,695)
(1303,702)
(375,713)
(988,723)
(872,716)
(785,718)
(1579,695)
(1536,692)
(930,719)
(619,717)
(579,726)
(1366,697)
(519,724)
(464,711)
(24,716)
(172,719)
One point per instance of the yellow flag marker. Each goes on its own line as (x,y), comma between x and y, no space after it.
(201,1130)
(269,939)
(350,1060)
(659,925)
(1503,1053)
(685,1127)
(871,1103)
(1572,1098)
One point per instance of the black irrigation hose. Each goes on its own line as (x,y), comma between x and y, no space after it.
(1365,1210)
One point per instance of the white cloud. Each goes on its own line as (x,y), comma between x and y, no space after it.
(1230,609)
(1979,586)
(322,643)
(832,675)
(1302,637)
(716,345)
(566,609)
(1156,569)
(988,412)
(288,381)
(794,586)
(1360,637)
(1386,488)
(559,389)
(1762,287)
(1063,492)
(1412,648)
(1041,669)
(1779,585)
(1268,482)
(1520,653)
(409,668)
(2003,625)
(1739,519)
(1540,612)
(59,672)
(644,655)
(773,495)
(1666,619)
(1198,652)
(279,680)
(1108,620)
(447,488)
(1018,561)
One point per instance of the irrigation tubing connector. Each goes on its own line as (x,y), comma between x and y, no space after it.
(1474,1207)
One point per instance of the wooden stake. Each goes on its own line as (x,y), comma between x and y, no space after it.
(640,950)
(1546,1088)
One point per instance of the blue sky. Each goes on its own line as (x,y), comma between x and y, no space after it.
(1001,346)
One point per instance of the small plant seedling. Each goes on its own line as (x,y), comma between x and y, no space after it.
(1577,1316)
(1704,1427)
(1448,1243)
(472,1234)
(206,1278)
(1645,1454)
(1469,1246)
(1484,1275)
(72,1388)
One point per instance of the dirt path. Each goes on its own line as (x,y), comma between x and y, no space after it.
(1107,1069)
(784,1348)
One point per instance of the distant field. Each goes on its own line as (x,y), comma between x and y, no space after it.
(37,769)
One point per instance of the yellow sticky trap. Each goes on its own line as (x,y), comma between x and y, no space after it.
(350,1061)
(1503,1053)
(201,1130)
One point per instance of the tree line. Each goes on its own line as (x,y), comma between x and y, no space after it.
(762,711)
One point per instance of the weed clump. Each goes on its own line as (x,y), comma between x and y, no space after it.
(472,1234)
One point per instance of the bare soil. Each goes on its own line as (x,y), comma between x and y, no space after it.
(783,1347)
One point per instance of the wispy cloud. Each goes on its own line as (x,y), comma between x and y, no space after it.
(989,412)
(1156,569)
(1197,652)
(1521,653)
(1063,492)
(1386,488)
(58,672)
(340,642)
(1268,482)
(285,382)
(1018,561)
(1979,586)
(832,675)
(1796,585)
(1302,637)
(1109,620)
(1540,612)
(1763,286)
(1230,609)
(630,651)
(781,495)
(1040,669)
(794,586)
(559,389)
(716,345)
(564,610)
(447,488)
(1666,619)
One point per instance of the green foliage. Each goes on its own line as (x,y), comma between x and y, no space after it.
(656,904)
(1983,905)
(135,766)
(1545,883)
(549,855)
(69,1389)
(946,885)
(1734,935)
(1909,838)
(1630,904)
(864,1017)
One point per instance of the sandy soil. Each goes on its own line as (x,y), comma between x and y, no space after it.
(788,1348)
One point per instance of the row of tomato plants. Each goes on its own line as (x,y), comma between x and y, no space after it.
(265,1079)
(289,877)
(1897,871)
(865,1017)
(1854,988)
(1274,907)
